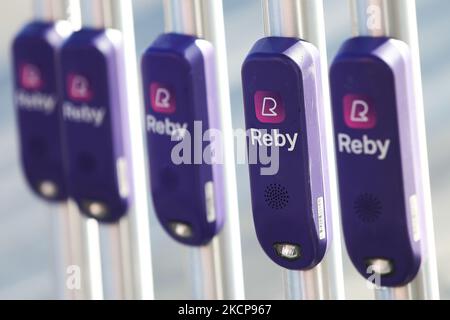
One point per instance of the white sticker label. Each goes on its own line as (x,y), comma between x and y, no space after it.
(321,217)
(210,202)
(122,177)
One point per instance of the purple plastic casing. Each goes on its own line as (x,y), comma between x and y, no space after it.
(290,68)
(97,165)
(378,196)
(37,45)
(184,64)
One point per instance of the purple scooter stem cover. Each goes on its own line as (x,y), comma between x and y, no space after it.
(282,98)
(179,86)
(373,110)
(38,103)
(94,116)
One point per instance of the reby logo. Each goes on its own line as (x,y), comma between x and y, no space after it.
(162,98)
(359,112)
(269,107)
(30,77)
(78,88)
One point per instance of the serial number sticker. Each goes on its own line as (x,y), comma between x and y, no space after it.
(321,214)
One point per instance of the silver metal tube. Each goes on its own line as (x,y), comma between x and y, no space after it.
(61,253)
(196,274)
(66,252)
(104,13)
(97,13)
(373,23)
(184,16)
(222,257)
(305,19)
(206,272)
(135,232)
(125,246)
(229,240)
(79,270)
(398,19)
(306,285)
(54,10)
(43,10)
(75,237)
(401,293)
(90,265)
(117,272)
(67,10)
(38,10)
(283,18)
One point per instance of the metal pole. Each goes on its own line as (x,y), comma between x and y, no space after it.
(77,242)
(305,19)
(303,285)
(220,262)
(125,246)
(87,242)
(401,293)
(229,239)
(75,237)
(65,10)
(398,19)
(206,273)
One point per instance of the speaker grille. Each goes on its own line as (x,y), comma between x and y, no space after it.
(368,207)
(276,196)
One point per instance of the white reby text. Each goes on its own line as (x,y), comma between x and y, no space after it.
(273,139)
(364,146)
(36,101)
(84,114)
(166,127)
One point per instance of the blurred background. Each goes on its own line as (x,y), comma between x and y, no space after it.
(27,256)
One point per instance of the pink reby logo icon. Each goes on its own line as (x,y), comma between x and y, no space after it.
(30,77)
(78,88)
(162,98)
(359,112)
(269,107)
